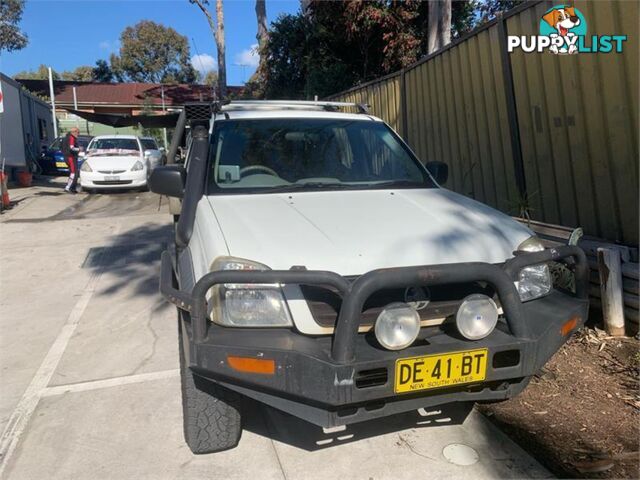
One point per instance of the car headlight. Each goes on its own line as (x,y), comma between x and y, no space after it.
(534,281)
(137,166)
(247,305)
(86,167)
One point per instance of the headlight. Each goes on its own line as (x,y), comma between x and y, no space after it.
(137,166)
(397,326)
(247,305)
(86,167)
(477,316)
(534,281)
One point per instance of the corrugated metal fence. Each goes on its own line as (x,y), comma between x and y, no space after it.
(555,133)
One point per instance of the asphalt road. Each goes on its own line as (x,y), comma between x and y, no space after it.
(90,386)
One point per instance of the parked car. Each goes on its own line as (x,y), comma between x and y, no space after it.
(155,154)
(114,162)
(52,160)
(321,269)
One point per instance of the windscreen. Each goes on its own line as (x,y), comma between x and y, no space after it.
(294,153)
(113,146)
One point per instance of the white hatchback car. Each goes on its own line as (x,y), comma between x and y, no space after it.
(114,161)
(320,268)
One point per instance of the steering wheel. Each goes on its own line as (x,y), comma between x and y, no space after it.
(253,169)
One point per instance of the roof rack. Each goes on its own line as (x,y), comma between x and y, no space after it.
(291,104)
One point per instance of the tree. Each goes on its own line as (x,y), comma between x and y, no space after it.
(439,25)
(41,73)
(263,34)
(80,74)
(217,30)
(102,72)
(488,9)
(11,38)
(151,52)
(211,78)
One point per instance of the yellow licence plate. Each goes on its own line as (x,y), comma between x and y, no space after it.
(61,165)
(444,370)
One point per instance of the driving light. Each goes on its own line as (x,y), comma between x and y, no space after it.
(477,316)
(86,167)
(397,326)
(534,281)
(247,305)
(137,166)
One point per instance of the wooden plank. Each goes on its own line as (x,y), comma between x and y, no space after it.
(611,290)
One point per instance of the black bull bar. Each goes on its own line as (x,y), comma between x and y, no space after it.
(354,294)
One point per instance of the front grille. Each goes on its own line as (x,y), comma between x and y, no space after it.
(112,182)
(325,303)
(111,172)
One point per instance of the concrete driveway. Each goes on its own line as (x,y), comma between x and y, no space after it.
(90,386)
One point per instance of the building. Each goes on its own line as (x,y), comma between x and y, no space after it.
(25,125)
(117,98)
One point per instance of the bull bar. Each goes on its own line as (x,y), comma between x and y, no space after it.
(354,294)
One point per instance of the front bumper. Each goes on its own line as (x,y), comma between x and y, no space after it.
(348,378)
(125,179)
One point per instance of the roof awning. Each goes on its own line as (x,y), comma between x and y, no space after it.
(168,120)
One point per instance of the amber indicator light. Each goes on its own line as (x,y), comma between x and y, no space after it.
(569,325)
(252,365)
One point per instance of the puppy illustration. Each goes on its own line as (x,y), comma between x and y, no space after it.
(563,20)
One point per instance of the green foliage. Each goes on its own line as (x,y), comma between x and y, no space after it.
(151,52)
(11,38)
(488,9)
(80,74)
(41,73)
(335,45)
(211,78)
(102,72)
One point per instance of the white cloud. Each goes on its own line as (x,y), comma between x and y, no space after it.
(203,63)
(104,45)
(248,57)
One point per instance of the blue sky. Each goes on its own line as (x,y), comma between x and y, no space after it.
(67,34)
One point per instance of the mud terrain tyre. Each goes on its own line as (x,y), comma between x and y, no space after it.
(210,413)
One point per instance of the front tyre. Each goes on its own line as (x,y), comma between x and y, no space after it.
(210,413)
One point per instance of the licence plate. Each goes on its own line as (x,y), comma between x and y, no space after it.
(61,165)
(443,370)
(111,178)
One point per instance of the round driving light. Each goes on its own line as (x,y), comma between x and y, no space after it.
(397,326)
(476,317)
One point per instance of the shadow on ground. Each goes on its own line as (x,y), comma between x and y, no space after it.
(132,258)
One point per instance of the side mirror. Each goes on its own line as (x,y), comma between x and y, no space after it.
(168,180)
(439,171)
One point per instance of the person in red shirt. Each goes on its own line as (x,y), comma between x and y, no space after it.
(70,150)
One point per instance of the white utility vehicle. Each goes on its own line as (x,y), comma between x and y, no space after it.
(114,162)
(319,267)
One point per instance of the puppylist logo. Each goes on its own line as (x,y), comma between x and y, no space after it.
(563,31)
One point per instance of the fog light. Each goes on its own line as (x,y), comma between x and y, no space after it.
(476,317)
(397,326)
